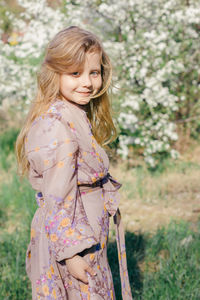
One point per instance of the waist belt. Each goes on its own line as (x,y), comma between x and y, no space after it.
(120,237)
(99,182)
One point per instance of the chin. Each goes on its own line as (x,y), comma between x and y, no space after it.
(83,101)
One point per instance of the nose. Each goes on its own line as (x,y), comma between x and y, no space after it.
(86,80)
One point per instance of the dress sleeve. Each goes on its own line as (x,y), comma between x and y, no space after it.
(54,153)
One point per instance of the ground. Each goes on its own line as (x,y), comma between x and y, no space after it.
(150,200)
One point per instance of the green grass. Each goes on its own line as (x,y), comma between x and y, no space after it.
(14,283)
(7,142)
(177,272)
(163,266)
(152,275)
(17,208)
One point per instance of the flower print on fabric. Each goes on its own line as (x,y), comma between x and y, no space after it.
(63,154)
(56,160)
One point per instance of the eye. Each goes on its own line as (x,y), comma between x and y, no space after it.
(75,74)
(95,73)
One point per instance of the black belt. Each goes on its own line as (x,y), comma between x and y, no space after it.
(99,182)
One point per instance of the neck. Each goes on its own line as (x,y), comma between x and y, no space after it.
(81,106)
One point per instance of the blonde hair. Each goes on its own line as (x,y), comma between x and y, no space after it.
(68,48)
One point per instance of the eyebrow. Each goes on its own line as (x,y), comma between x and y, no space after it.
(96,69)
(73,70)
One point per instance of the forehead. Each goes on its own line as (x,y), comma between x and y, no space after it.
(88,60)
(92,59)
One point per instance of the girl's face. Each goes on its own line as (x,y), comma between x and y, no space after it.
(79,85)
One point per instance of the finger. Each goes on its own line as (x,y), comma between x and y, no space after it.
(84,278)
(90,270)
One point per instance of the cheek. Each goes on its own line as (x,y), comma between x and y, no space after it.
(98,83)
(66,84)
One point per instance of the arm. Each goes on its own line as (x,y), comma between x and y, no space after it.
(54,157)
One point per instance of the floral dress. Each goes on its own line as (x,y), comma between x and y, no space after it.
(70,219)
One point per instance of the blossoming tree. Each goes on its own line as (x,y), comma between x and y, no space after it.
(155,44)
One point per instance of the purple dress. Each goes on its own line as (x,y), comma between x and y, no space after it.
(70,219)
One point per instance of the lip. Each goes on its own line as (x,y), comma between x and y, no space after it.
(85,93)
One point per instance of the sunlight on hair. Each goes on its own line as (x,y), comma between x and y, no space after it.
(68,48)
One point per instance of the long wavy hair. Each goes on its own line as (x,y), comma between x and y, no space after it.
(68,48)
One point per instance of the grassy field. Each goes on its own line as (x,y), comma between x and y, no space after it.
(160,213)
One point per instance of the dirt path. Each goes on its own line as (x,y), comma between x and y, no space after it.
(139,216)
(150,202)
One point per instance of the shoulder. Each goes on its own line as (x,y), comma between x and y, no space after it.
(56,124)
(65,111)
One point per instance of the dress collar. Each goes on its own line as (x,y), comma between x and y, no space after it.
(74,105)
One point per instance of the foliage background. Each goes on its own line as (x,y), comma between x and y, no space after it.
(156,79)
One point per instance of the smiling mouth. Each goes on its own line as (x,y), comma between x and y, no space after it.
(85,93)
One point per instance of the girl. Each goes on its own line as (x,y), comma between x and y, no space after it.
(60,147)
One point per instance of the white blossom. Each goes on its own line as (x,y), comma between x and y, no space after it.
(151,44)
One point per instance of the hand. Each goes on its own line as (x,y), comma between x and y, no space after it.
(77,267)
